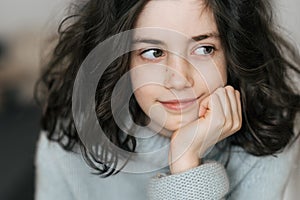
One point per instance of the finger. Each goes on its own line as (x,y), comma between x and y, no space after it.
(232,98)
(231,110)
(223,99)
(226,107)
(217,111)
(215,123)
(221,93)
(239,105)
(230,92)
(203,107)
(235,103)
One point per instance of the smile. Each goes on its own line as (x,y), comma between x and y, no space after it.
(179,105)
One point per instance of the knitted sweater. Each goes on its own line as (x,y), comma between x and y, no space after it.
(62,175)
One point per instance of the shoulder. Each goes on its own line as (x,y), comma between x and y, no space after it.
(50,152)
(267,175)
(53,166)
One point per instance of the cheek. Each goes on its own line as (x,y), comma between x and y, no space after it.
(222,67)
(213,74)
(145,75)
(220,74)
(145,97)
(221,63)
(175,122)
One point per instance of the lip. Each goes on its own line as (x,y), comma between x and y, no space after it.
(179,105)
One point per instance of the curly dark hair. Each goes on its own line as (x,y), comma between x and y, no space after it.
(259,62)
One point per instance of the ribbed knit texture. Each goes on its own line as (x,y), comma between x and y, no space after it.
(208,181)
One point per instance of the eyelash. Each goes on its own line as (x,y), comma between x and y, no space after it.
(211,49)
(153,50)
(161,52)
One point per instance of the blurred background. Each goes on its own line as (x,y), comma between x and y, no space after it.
(25,29)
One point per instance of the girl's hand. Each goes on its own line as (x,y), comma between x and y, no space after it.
(220,116)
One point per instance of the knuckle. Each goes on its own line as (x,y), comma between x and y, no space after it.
(229,125)
(240,125)
(237,126)
(230,88)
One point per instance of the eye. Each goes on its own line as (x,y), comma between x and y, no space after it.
(204,50)
(152,54)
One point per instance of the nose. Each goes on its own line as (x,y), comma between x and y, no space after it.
(178,73)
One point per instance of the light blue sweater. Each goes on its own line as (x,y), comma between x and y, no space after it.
(62,175)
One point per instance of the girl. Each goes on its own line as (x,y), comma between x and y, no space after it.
(201,73)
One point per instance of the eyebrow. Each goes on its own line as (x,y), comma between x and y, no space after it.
(159,42)
(148,41)
(205,36)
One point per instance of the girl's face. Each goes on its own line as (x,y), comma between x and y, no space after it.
(178,60)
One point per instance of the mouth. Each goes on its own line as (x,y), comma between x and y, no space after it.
(179,105)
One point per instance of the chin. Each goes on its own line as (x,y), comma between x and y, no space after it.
(175,126)
(172,123)
(169,128)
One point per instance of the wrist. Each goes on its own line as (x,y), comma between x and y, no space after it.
(183,163)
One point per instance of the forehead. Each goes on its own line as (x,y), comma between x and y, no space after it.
(190,17)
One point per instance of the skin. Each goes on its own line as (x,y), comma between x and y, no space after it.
(181,83)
